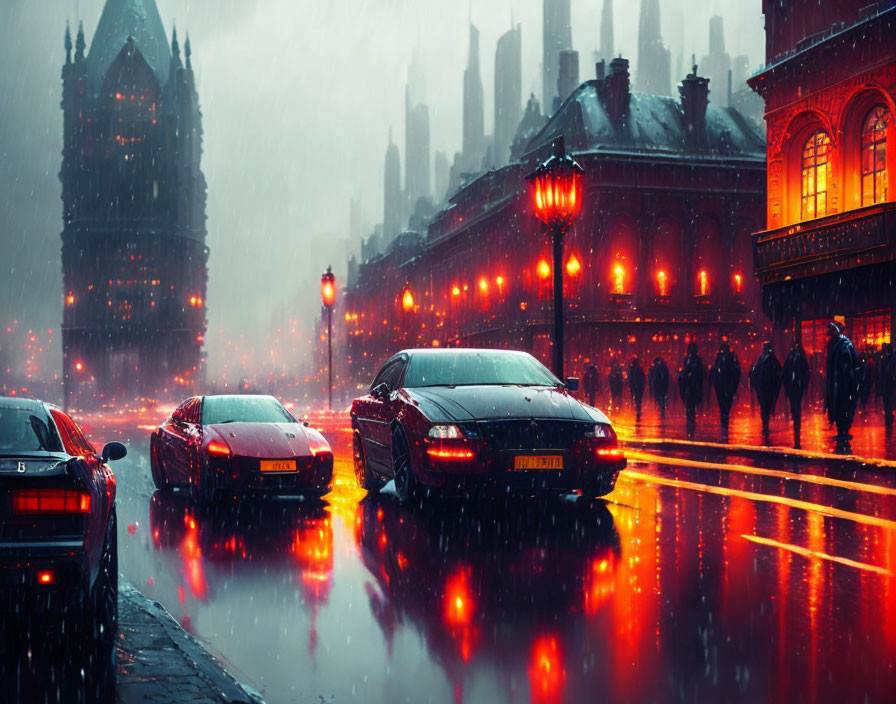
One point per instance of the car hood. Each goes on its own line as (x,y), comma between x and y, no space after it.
(465,403)
(263,440)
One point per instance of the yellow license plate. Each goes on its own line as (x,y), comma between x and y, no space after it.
(278,465)
(538,462)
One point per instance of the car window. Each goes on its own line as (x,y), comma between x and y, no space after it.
(244,409)
(27,430)
(192,411)
(381,374)
(476,367)
(182,412)
(396,374)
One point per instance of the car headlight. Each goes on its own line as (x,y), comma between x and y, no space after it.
(601,431)
(445,432)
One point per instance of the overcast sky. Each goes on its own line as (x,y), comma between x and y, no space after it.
(298,97)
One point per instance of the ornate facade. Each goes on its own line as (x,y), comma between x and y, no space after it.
(830,247)
(660,255)
(133,244)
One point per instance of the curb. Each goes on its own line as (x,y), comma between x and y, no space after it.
(158,660)
(778,452)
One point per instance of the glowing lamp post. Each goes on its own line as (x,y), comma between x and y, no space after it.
(557,189)
(328,296)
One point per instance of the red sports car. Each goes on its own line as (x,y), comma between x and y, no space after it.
(455,419)
(219,446)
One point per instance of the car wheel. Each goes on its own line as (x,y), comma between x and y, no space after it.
(406,485)
(159,478)
(102,603)
(367,480)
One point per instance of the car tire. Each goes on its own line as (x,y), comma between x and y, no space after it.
(159,478)
(367,480)
(101,612)
(407,486)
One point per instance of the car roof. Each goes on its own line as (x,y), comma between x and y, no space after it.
(240,396)
(28,404)
(458,350)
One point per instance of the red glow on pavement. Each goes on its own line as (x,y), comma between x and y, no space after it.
(132,528)
(458,610)
(600,583)
(547,674)
(191,554)
(543,269)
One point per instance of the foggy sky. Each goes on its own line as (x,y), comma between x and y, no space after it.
(298,97)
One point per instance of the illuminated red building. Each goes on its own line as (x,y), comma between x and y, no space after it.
(133,244)
(660,254)
(830,247)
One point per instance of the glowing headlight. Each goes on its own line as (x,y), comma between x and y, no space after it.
(445,432)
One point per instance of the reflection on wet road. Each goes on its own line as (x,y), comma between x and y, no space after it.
(696,581)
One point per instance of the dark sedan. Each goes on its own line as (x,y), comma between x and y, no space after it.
(457,419)
(58,531)
(218,446)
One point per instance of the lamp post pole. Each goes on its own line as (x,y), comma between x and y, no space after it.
(557,188)
(328,296)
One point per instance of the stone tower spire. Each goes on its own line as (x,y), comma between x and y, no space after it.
(68,44)
(80,44)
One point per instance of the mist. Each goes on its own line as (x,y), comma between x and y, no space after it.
(298,98)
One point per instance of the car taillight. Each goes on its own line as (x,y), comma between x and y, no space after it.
(450,450)
(50,501)
(46,577)
(218,448)
(610,452)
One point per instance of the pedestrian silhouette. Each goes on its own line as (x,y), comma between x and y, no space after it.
(658,380)
(590,383)
(690,386)
(886,383)
(795,377)
(766,380)
(616,381)
(724,377)
(637,381)
(841,385)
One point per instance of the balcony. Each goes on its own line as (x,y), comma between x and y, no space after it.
(834,243)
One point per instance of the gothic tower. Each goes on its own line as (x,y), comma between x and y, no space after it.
(134,228)
(654,62)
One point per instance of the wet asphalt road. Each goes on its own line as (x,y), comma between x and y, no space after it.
(695,581)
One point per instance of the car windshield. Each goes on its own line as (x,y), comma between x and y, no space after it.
(468,368)
(27,430)
(244,409)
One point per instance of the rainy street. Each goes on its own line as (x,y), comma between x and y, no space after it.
(697,580)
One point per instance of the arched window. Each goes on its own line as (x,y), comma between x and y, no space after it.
(816,169)
(874,156)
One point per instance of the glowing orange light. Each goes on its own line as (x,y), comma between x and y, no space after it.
(523,305)
(70,299)
(46,577)
(483,285)
(79,367)
(703,283)
(556,185)
(573,266)
(499,280)
(458,600)
(544,269)
(407,301)
(218,448)
(738,283)
(441,453)
(662,283)
(455,290)
(619,279)
(546,673)
(328,288)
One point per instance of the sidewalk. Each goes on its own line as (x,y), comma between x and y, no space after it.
(870,444)
(160,662)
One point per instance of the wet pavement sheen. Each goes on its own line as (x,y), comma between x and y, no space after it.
(690,583)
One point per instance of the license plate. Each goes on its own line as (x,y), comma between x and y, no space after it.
(538,462)
(278,465)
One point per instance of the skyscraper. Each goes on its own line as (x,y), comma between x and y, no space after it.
(474,109)
(442,170)
(717,63)
(557,38)
(392,196)
(653,58)
(416,148)
(134,227)
(508,92)
(607,50)
(568,77)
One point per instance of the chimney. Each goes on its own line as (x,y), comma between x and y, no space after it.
(568,75)
(618,91)
(694,91)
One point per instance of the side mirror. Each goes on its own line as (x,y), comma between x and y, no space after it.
(572,384)
(380,392)
(113,451)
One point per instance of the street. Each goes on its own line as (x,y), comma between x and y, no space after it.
(701,578)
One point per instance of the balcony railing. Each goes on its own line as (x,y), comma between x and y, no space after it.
(819,246)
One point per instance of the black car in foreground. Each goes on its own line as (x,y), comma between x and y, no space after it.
(460,419)
(58,532)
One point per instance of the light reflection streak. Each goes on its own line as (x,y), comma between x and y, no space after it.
(806,552)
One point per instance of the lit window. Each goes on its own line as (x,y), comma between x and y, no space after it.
(703,283)
(662,283)
(874,156)
(816,170)
(619,279)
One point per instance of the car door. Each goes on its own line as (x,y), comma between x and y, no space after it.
(375,422)
(177,438)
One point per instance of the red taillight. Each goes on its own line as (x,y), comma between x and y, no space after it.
(46,577)
(612,452)
(50,501)
(218,448)
(449,451)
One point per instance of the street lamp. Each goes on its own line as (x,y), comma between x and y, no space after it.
(328,296)
(557,189)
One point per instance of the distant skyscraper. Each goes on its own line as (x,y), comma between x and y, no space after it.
(557,38)
(653,58)
(474,109)
(508,92)
(392,202)
(607,50)
(416,148)
(568,78)
(442,169)
(717,63)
